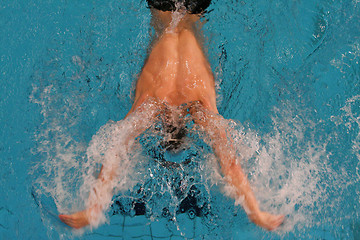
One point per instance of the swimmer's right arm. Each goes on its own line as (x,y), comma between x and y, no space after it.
(99,197)
(102,192)
(224,150)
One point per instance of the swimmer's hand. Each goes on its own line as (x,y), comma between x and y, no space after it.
(76,220)
(267,220)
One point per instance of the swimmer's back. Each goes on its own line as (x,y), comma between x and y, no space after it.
(177,72)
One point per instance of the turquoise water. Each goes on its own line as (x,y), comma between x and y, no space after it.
(287,72)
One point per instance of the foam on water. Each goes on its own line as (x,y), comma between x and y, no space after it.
(287,172)
(177,15)
(292,167)
(289,168)
(352,116)
(283,167)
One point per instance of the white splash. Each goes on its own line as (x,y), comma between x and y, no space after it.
(176,16)
(352,116)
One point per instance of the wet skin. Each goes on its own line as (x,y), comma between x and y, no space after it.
(177,72)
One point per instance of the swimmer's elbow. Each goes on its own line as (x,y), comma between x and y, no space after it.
(231,169)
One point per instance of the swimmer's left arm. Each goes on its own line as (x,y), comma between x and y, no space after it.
(234,174)
(225,151)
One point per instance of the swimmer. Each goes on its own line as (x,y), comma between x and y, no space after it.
(177,73)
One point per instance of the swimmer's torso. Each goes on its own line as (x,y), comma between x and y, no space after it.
(177,72)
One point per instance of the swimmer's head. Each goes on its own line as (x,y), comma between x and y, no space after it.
(173,129)
(174,137)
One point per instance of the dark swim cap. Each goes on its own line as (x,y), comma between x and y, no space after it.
(178,135)
(192,6)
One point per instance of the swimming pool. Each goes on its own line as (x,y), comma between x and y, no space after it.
(288,71)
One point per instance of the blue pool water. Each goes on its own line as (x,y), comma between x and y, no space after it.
(287,72)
